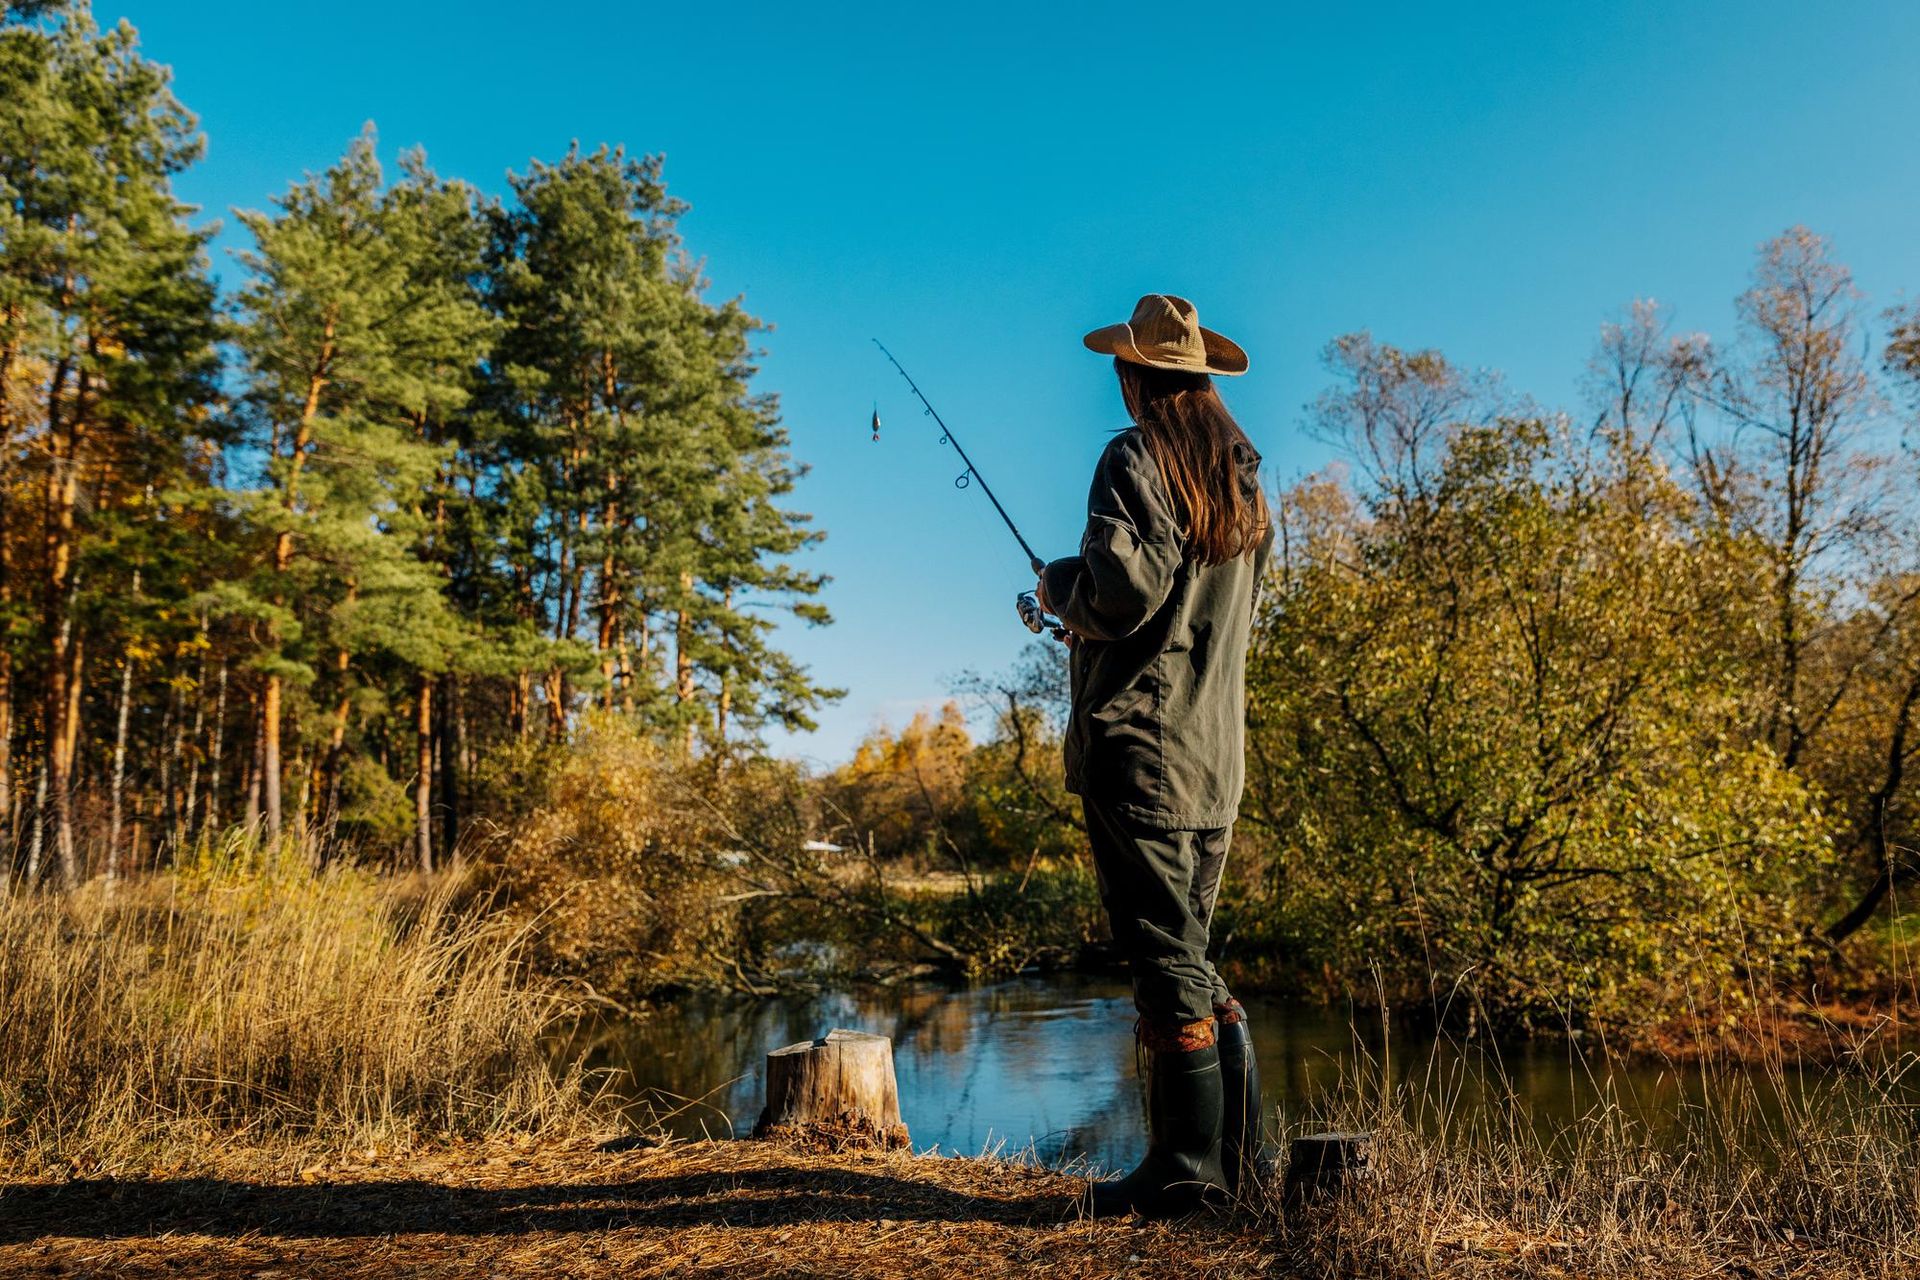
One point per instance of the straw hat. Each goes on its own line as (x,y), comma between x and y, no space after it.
(1165,333)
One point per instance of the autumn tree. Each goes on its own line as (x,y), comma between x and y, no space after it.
(1788,452)
(1485,735)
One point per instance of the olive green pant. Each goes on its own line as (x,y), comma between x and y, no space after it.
(1159,889)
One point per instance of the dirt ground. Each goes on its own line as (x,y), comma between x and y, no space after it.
(738,1209)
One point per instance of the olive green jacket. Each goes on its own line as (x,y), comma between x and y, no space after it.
(1159,667)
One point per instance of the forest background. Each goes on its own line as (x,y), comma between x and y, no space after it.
(449,539)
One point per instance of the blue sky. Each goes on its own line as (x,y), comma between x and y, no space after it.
(979,184)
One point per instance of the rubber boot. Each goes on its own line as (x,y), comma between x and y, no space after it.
(1242,1156)
(1181,1171)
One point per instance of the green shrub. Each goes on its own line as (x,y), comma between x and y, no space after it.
(1011,920)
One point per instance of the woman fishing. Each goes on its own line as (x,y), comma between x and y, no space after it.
(1158,606)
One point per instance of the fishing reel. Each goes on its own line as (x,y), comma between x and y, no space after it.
(1027,604)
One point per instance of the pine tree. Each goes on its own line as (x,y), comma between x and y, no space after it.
(643,471)
(358,336)
(106,337)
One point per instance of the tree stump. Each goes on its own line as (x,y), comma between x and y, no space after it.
(1322,1165)
(834,1092)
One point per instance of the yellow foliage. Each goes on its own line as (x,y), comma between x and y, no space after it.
(899,786)
(617,871)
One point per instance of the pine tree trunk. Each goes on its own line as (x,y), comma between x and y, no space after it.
(38,842)
(256,758)
(282,560)
(623,671)
(9,839)
(173,772)
(301,824)
(214,777)
(136,841)
(192,803)
(64,429)
(725,704)
(60,497)
(423,771)
(452,744)
(169,810)
(58,776)
(76,686)
(462,735)
(556,688)
(639,664)
(612,623)
(270,755)
(683,685)
(327,786)
(118,785)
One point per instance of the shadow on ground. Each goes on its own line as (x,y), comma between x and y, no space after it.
(738,1198)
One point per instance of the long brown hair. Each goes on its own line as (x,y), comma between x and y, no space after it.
(1199,448)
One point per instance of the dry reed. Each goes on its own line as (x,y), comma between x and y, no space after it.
(249,998)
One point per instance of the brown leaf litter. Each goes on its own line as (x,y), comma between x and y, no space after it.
(738,1209)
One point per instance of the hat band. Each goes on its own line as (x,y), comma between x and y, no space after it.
(1166,353)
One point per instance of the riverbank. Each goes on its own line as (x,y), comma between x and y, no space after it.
(242,1071)
(748,1209)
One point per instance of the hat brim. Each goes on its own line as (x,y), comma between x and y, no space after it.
(1223,354)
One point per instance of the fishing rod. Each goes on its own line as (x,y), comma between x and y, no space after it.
(971,473)
(1026,603)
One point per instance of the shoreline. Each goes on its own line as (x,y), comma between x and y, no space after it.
(1834,1032)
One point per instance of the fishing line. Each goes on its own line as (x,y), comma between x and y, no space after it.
(972,472)
(1026,604)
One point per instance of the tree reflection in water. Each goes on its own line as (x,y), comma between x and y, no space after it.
(1048,1061)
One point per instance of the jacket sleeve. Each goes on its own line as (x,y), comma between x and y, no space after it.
(1129,554)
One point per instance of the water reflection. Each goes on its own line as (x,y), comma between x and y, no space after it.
(1048,1061)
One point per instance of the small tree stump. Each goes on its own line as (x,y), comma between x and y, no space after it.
(834,1092)
(1322,1165)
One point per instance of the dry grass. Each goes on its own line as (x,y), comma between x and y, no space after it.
(736,1209)
(250,999)
(1821,1188)
(1756,1176)
(753,1209)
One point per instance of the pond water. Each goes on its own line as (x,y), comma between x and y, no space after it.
(1048,1063)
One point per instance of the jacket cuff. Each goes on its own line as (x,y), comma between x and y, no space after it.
(1059,578)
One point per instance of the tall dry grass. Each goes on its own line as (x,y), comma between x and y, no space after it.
(1757,1170)
(248,998)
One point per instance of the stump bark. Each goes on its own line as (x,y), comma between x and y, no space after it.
(835,1092)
